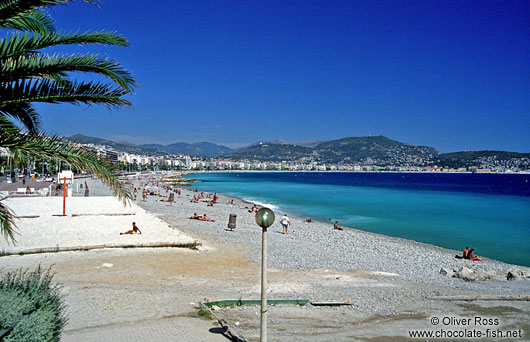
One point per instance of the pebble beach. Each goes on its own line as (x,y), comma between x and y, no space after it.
(317,245)
(389,279)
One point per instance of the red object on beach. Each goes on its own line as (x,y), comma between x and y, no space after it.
(65,192)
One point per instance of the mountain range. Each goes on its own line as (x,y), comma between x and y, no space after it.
(368,150)
(376,150)
(203,149)
(200,149)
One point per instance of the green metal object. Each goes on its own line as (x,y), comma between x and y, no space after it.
(239,302)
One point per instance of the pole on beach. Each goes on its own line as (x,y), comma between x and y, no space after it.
(264,219)
(65,192)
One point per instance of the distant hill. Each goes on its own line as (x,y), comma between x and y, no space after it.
(379,149)
(203,149)
(311,143)
(272,152)
(85,139)
(370,150)
(478,158)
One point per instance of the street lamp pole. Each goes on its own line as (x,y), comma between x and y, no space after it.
(264,219)
(263,327)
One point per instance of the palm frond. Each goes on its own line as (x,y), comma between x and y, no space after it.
(7,222)
(52,92)
(37,21)
(14,9)
(16,44)
(24,112)
(56,67)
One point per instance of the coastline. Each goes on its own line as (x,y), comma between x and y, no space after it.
(124,291)
(441,210)
(384,276)
(313,234)
(351,171)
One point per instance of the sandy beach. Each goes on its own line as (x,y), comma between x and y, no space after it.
(388,278)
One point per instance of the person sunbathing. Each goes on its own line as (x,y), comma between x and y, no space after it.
(472,256)
(135,230)
(196,217)
(309,220)
(206,218)
(254,209)
(336,226)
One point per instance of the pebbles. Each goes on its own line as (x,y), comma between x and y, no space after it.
(317,245)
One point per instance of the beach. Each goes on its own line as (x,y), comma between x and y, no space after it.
(389,279)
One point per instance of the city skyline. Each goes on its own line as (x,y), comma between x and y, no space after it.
(449,75)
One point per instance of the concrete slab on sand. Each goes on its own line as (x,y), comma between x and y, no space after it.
(39,228)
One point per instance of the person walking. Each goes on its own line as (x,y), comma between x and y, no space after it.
(285,223)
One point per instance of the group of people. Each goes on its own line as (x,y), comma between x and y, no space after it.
(469,254)
(201,218)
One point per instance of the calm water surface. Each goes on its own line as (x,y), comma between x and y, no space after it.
(490,213)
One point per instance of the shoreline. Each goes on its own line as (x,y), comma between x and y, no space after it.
(348,171)
(221,211)
(112,291)
(519,258)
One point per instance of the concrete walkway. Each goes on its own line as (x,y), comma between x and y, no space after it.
(167,329)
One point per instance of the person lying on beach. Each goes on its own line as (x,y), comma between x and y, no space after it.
(196,217)
(231,202)
(336,226)
(135,230)
(206,218)
(254,209)
(309,220)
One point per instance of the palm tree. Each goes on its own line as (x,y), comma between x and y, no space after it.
(28,76)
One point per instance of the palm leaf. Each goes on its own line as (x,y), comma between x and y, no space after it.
(24,112)
(56,67)
(37,21)
(7,222)
(16,44)
(52,92)
(14,9)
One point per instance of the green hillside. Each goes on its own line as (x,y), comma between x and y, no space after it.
(272,152)
(379,149)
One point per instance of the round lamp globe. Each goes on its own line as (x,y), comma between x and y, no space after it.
(265,217)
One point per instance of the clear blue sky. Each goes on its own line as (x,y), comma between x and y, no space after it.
(454,75)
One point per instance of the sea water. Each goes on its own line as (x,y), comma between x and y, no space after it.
(487,212)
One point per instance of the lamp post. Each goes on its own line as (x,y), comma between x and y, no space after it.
(264,219)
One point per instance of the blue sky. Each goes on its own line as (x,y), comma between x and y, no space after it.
(454,75)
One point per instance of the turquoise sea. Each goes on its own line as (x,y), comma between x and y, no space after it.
(490,213)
